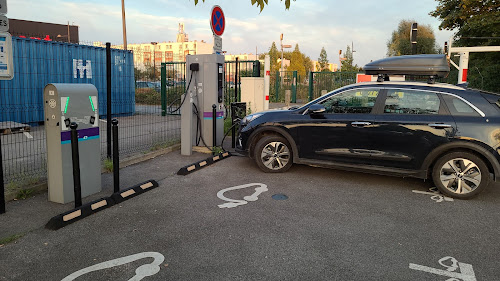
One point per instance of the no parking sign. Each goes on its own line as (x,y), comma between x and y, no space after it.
(217,21)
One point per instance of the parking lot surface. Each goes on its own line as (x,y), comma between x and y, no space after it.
(230,221)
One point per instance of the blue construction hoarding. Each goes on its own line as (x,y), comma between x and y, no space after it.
(39,62)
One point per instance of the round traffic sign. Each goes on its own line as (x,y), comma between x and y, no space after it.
(217,21)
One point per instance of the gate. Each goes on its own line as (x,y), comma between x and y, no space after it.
(324,82)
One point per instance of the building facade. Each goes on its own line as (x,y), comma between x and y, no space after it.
(154,53)
(44,31)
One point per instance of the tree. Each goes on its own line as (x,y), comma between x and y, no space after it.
(400,44)
(347,62)
(274,55)
(308,64)
(477,22)
(260,3)
(322,64)
(297,62)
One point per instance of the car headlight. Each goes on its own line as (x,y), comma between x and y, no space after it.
(249,118)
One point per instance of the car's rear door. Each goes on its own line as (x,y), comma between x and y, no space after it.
(342,132)
(410,124)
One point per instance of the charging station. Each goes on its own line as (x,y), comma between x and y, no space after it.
(66,103)
(205,88)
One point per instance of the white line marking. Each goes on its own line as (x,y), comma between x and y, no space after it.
(28,135)
(466,272)
(141,272)
(102,120)
(234,202)
(435,195)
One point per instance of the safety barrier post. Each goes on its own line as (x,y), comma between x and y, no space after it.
(2,184)
(108,99)
(214,123)
(277,86)
(116,159)
(77,187)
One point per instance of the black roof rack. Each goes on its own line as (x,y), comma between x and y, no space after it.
(434,66)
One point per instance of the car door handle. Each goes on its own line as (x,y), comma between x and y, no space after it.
(439,126)
(361,124)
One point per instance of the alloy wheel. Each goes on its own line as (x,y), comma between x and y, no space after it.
(460,176)
(275,155)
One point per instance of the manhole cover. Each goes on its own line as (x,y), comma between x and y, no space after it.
(279,197)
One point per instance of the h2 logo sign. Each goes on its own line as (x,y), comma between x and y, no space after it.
(78,66)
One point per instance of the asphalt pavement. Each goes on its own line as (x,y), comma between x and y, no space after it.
(230,221)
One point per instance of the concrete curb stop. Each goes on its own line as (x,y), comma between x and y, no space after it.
(93,207)
(76,214)
(202,164)
(133,191)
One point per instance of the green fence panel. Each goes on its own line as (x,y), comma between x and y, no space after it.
(163,89)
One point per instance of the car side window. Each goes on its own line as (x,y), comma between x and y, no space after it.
(411,102)
(353,101)
(458,107)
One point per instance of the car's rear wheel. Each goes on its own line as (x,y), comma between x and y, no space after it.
(460,175)
(273,154)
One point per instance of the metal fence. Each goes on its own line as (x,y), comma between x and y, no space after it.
(152,123)
(142,127)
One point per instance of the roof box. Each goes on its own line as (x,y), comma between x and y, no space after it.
(427,65)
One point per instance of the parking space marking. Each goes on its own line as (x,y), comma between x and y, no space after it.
(28,135)
(235,202)
(435,195)
(141,272)
(466,272)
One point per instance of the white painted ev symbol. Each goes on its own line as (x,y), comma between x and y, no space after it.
(260,188)
(142,271)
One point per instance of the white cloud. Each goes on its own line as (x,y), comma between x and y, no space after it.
(312,23)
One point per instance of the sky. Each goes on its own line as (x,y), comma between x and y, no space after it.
(312,24)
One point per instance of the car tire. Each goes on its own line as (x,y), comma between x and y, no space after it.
(273,154)
(460,175)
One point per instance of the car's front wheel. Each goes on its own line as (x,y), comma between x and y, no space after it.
(460,175)
(273,154)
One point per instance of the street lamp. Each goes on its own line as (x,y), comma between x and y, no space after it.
(154,58)
(282,46)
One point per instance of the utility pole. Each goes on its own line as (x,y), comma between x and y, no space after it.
(352,51)
(124,26)
(282,60)
(69,36)
(154,58)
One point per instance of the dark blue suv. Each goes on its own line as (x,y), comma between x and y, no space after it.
(424,130)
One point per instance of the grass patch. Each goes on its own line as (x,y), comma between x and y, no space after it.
(10,239)
(163,145)
(108,165)
(24,194)
(217,150)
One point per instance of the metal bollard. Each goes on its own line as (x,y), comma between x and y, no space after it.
(77,186)
(2,186)
(116,158)
(233,130)
(214,122)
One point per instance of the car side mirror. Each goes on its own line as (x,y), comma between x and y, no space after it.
(316,109)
